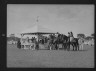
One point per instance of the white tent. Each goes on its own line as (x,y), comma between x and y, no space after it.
(36,29)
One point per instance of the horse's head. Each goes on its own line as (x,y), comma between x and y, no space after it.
(70,34)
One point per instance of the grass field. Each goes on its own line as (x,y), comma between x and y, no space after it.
(50,58)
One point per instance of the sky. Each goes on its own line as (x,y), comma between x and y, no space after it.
(59,18)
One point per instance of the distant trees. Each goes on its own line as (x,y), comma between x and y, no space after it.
(13,37)
(93,35)
(80,35)
(88,38)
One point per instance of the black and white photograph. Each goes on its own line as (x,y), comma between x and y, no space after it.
(50,36)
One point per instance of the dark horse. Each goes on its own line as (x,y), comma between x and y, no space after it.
(52,41)
(56,41)
(63,40)
(73,41)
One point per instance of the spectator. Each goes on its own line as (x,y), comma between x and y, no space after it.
(19,44)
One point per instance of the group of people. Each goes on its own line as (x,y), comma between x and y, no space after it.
(65,41)
(53,41)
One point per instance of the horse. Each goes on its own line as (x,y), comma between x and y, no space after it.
(60,39)
(73,41)
(54,42)
(51,42)
(65,42)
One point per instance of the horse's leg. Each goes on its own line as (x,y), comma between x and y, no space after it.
(73,46)
(53,46)
(56,46)
(68,46)
(76,48)
(64,46)
(30,46)
(34,46)
(77,44)
(50,46)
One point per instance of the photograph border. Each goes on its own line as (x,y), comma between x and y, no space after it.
(3,14)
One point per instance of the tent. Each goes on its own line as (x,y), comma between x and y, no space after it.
(38,29)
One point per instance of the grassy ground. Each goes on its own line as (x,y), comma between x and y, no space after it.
(50,58)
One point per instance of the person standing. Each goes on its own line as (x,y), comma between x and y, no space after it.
(19,44)
(81,43)
(37,45)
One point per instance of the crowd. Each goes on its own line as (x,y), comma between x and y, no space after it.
(53,41)
(33,42)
